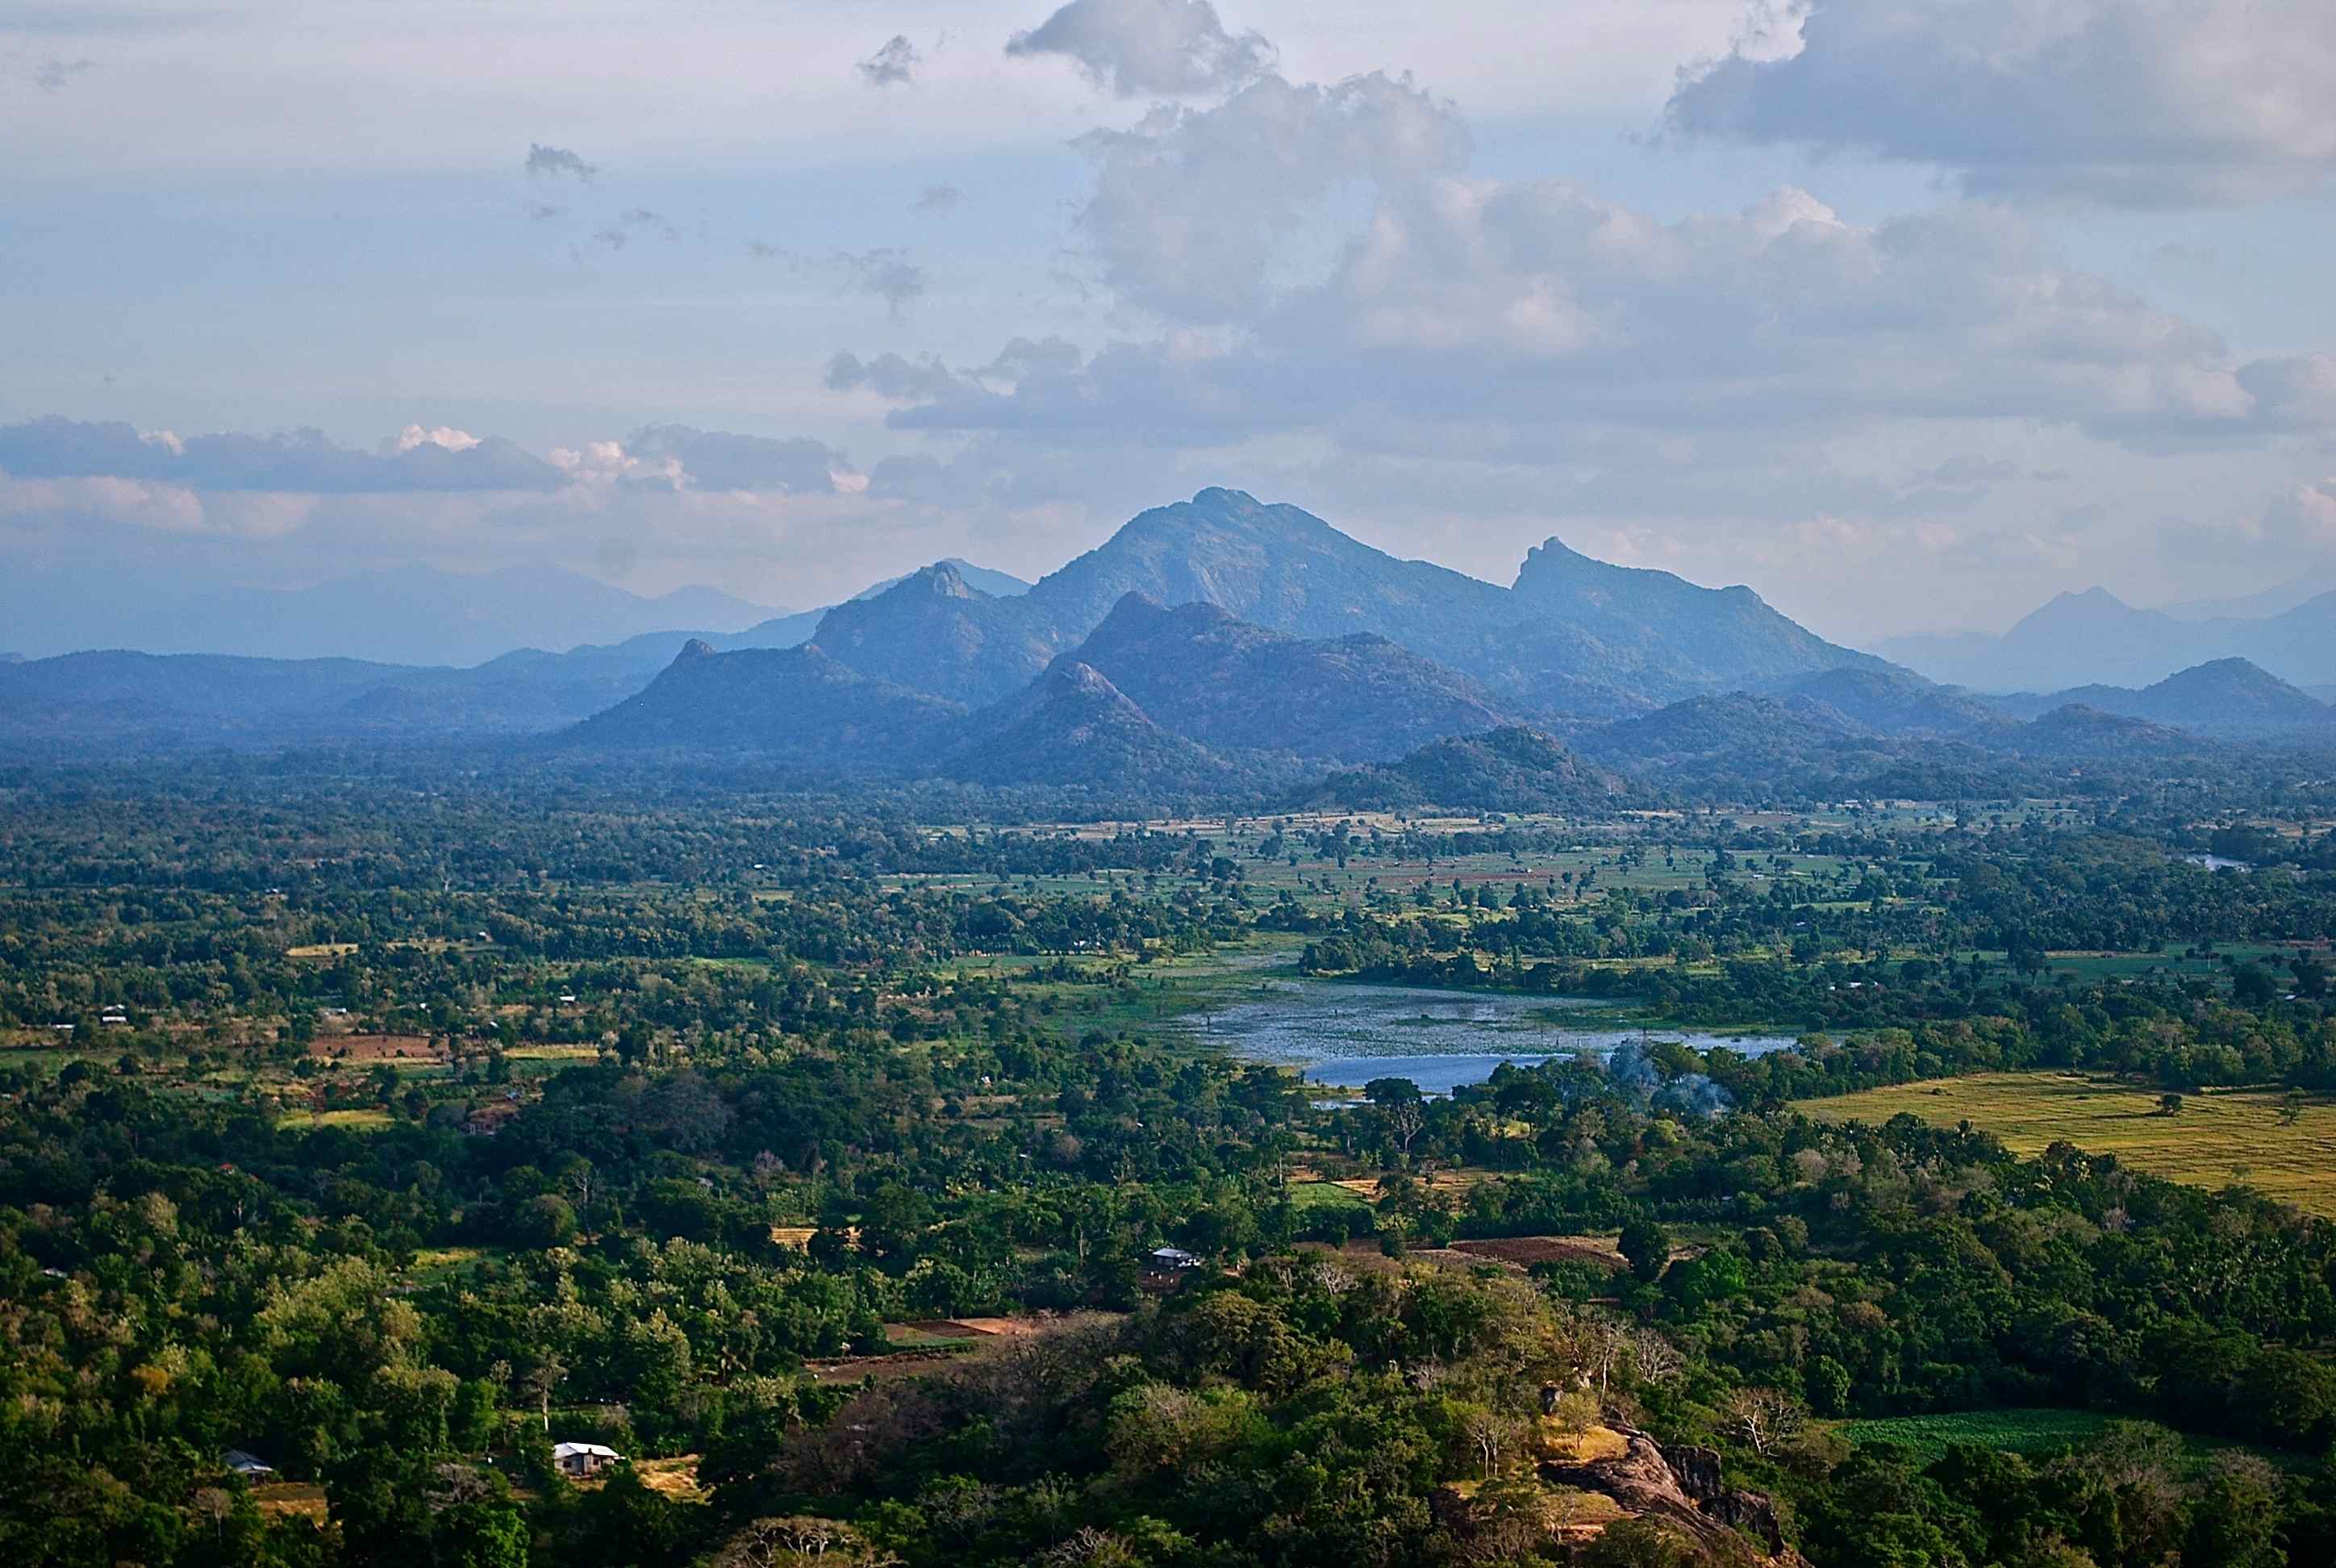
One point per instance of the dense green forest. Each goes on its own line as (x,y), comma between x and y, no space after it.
(818,1160)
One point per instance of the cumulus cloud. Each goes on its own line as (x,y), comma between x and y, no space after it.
(719,460)
(2306,514)
(418,459)
(413,435)
(1523,311)
(1193,209)
(553,162)
(1022,357)
(2137,103)
(891,376)
(894,64)
(1133,48)
(300,461)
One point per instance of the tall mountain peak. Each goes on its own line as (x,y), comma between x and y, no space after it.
(942,579)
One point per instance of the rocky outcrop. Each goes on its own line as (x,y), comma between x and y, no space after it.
(1682,1485)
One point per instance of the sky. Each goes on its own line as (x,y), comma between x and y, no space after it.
(1908,313)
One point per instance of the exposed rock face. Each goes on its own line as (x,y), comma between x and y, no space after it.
(1682,1485)
(1751,1512)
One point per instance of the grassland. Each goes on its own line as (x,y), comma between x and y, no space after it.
(360,1119)
(2032,1431)
(2218,1140)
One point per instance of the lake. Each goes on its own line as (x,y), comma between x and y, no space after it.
(1347,1034)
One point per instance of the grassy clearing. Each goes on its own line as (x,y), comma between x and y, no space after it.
(2015,1431)
(2030,1431)
(677,1478)
(302,1499)
(435,1265)
(1304,1195)
(2222,1139)
(364,1119)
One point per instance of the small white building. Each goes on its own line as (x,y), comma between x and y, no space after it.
(580,1459)
(250,1467)
(1174,1258)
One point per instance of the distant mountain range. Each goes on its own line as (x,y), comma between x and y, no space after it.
(1155,697)
(1573,639)
(2224,697)
(1224,644)
(413,614)
(1191,700)
(2094,637)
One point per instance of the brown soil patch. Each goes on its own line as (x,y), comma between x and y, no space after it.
(1006,1326)
(375,1049)
(945,1329)
(1458,1182)
(884,1368)
(1526,1251)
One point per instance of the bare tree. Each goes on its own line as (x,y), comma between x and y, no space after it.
(453,1485)
(1763,1417)
(581,1178)
(1490,1432)
(1604,1343)
(216,1505)
(1655,1357)
(1085,1544)
(542,1378)
(768,1543)
(1404,1120)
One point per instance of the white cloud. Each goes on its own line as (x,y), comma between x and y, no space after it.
(1177,48)
(35,508)
(1194,209)
(2137,103)
(413,435)
(1537,308)
(2306,514)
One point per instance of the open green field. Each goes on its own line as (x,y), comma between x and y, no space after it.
(1306,1195)
(2221,1139)
(359,1119)
(2032,1431)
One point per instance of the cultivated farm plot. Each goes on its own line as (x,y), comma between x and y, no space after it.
(376,1048)
(2232,1137)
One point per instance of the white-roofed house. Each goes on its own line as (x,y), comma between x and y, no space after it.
(578,1459)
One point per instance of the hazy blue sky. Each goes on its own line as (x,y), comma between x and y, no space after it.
(1907,313)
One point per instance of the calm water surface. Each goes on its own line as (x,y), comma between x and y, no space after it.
(1347,1034)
